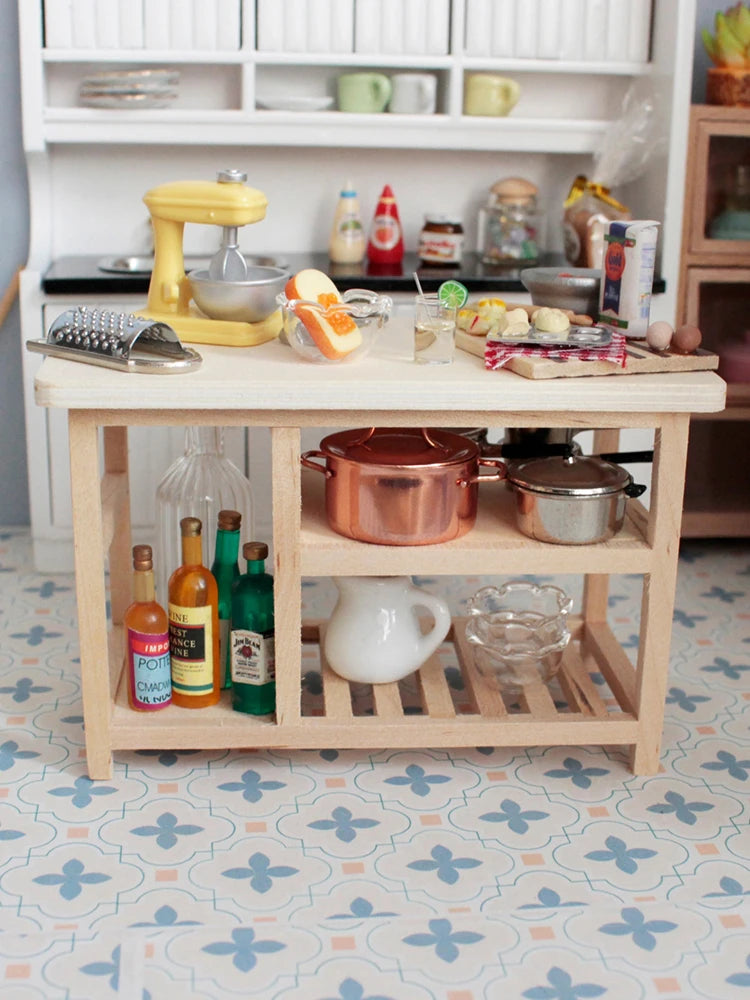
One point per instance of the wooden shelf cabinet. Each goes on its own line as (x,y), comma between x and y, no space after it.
(289,396)
(714,294)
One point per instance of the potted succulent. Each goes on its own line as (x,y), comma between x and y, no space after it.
(728,80)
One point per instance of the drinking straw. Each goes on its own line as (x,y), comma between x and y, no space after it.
(419,287)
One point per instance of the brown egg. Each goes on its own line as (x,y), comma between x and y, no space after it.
(659,335)
(686,339)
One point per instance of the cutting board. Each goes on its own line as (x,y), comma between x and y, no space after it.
(640,359)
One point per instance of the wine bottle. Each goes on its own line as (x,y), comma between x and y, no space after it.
(147,642)
(193,625)
(252,636)
(226,572)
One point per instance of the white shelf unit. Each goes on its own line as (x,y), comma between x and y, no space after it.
(559,110)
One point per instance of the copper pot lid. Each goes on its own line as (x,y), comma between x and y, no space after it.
(407,447)
(573,475)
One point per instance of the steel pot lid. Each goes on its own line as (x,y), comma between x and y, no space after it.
(405,447)
(572,476)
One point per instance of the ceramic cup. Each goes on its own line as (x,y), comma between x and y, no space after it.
(413,93)
(363,93)
(488,94)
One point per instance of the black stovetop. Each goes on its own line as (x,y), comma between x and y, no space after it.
(82,275)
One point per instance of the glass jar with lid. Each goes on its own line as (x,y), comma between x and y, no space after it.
(510,223)
(441,240)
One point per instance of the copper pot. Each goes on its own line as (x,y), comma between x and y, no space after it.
(401,485)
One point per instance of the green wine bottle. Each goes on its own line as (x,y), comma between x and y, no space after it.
(252,636)
(226,571)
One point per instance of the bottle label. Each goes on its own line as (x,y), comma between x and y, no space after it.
(148,656)
(440,248)
(191,649)
(386,232)
(253,657)
(349,227)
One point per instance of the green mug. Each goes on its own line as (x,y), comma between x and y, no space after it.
(488,94)
(363,93)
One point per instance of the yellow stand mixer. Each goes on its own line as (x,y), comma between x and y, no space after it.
(216,203)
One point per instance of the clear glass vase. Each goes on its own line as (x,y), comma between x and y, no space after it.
(199,483)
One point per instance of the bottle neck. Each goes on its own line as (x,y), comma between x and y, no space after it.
(204,440)
(256,567)
(143,586)
(227,546)
(192,550)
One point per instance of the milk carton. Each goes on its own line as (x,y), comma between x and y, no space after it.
(627,276)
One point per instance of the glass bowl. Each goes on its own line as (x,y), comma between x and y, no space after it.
(519,632)
(369,311)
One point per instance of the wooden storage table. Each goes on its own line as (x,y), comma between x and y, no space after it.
(269,386)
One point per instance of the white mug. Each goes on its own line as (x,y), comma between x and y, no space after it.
(413,93)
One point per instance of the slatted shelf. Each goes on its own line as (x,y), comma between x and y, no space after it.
(474,712)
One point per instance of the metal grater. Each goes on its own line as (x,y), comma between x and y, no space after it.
(116,340)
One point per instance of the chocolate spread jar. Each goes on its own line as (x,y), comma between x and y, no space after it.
(441,241)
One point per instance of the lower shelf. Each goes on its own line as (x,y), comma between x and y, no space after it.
(435,707)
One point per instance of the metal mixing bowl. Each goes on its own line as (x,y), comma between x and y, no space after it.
(575,288)
(248,301)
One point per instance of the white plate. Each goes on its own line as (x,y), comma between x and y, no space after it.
(140,77)
(105,100)
(294,103)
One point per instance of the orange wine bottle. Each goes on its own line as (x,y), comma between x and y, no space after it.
(194,625)
(147,632)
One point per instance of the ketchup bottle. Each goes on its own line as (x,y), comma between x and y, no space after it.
(386,243)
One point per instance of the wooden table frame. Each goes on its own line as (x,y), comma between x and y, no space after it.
(304,546)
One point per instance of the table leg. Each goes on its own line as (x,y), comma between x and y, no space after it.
(285,442)
(657,605)
(88,547)
(120,567)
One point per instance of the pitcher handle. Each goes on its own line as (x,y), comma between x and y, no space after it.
(429,642)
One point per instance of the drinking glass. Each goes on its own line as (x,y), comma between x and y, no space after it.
(434,331)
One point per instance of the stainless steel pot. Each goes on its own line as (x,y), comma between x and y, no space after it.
(401,486)
(572,500)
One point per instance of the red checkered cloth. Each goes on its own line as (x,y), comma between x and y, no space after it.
(496,353)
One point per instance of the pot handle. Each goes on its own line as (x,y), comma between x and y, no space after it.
(502,473)
(307,460)
(634,489)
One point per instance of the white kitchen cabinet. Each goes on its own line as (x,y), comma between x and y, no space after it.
(222,88)
(88,168)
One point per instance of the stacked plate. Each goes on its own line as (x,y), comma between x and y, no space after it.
(130,88)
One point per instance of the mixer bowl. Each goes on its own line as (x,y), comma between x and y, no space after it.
(248,301)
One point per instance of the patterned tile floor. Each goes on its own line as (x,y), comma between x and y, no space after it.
(547,874)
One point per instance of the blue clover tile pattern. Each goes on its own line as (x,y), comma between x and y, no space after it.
(543,873)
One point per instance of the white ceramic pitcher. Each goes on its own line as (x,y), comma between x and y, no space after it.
(374,635)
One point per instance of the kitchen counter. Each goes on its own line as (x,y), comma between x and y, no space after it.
(81,275)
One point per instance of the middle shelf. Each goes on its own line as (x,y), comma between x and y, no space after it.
(494,544)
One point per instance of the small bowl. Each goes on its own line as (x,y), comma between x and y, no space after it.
(519,632)
(369,311)
(575,288)
(248,301)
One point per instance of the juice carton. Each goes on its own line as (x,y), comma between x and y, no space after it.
(627,276)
